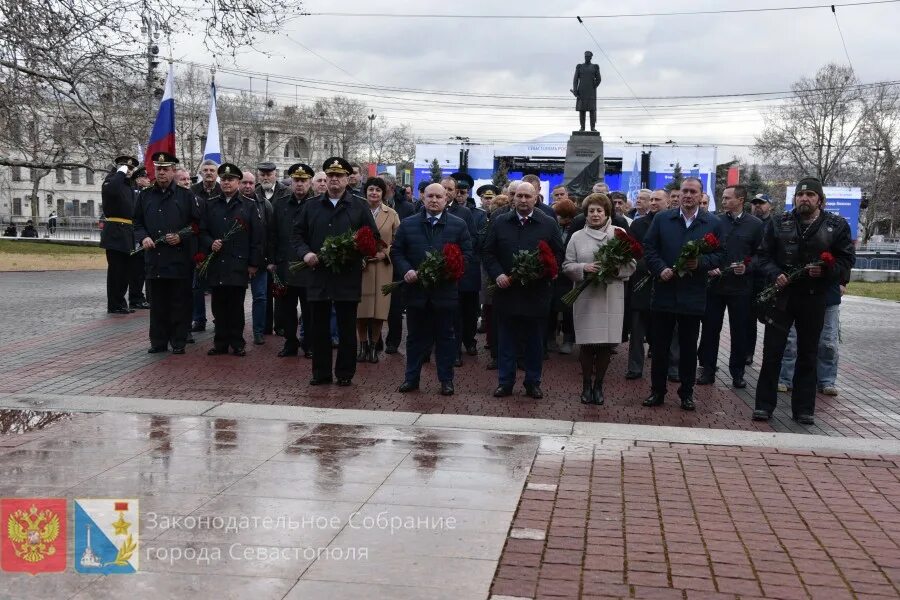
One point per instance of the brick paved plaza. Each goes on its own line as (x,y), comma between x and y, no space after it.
(549,499)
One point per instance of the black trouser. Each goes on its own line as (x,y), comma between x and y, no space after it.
(467,319)
(227,303)
(318,329)
(426,327)
(561,319)
(490,333)
(395,320)
(117,278)
(662,327)
(708,353)
(287,317)
(753,316)
(170,312)
(136,279)
(807,314)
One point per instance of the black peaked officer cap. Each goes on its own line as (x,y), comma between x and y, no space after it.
(300,171)
(337,166)
(230,170)
(490,187)
(463,180)
(128,161)
(164,159)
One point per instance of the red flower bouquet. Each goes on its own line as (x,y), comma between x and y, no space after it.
(194,229)
(237,225)
(278,287)
(438,267)
(693,249)
(826,260)
(530,266)
(609,258)
(338,251)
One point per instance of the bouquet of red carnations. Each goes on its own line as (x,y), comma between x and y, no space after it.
(338,251)
(532,265)
(609,258)
(826,260)
(446,265)
(238,225)
(278,287)
(194,229)
(692,250)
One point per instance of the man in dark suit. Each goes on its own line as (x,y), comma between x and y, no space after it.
(117,236)
(164,209)
(268,190)
(470,284)
(678,300)
(333,213)
(236,260)
(520,310)
(431,312)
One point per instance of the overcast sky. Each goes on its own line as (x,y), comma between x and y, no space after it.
(697,55)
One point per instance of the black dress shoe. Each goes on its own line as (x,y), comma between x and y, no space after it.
(143,305)
(198,327)
(492,365)
(458,362)
(749,360)
(761,415)
(239,352)
(705,377)
(687,403)
(344,382)
(633,375)
(408,386)
(654,400)
(390,350)
(534,391)
(287,352)
(217,351)
(472,350)
(320,381)
(258,339)
(177,350)
(190,339)
(307,354)
(805,419)
(447,389)
(674,378)
(739,383)
(502,391)
(119,311)
(156,349)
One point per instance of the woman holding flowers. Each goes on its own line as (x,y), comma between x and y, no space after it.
(374,306)
(599,311)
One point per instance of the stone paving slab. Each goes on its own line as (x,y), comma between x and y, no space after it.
(660,520)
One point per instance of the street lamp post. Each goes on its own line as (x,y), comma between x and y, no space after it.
(371,135)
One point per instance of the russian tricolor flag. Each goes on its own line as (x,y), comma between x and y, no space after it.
(162,138)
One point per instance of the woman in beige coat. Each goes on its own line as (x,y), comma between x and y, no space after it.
(373,305)
(600,310)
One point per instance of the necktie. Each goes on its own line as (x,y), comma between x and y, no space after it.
(434,221)
(524,221)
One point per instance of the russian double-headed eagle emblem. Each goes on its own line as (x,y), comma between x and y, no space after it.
(32,533)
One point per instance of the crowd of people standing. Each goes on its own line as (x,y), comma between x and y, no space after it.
(235,229)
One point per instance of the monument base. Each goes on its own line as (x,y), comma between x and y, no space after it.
(584,162)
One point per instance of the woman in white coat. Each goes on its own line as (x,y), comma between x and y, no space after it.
(600,310)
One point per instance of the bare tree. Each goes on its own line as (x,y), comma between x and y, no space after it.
(87,64)
(876,160)
(393,145)
(814,131)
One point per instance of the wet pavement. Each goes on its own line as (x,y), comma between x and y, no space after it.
(346,511)
(71,347)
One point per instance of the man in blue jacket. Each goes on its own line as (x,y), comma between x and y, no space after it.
(679,300)
(430,312)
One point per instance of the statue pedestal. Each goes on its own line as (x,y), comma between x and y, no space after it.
(584,162)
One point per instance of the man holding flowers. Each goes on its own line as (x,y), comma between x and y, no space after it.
(335,278)
(803,252)
(521,255)
(681,247)
(430,250)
